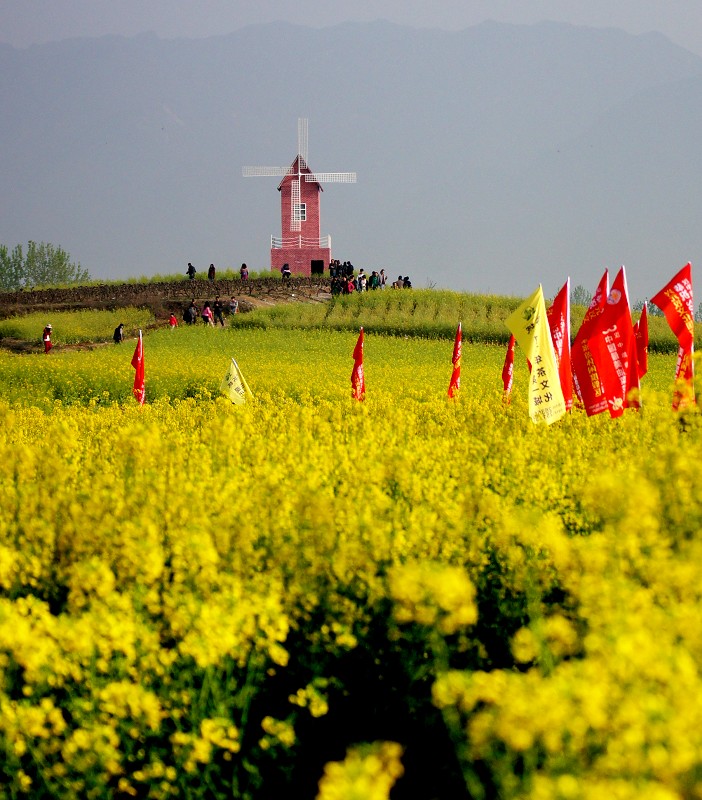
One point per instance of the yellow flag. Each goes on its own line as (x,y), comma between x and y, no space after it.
(529,324)
(234,385)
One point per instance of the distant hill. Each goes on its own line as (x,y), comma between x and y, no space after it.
(489,160)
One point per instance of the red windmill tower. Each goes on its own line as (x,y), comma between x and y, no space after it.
(300,244)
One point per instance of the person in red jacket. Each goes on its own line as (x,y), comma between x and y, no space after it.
(46,337)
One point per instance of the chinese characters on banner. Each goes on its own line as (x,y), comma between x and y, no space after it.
(613,346)
(234,385)
(586,379)
(529,324)
(675,301)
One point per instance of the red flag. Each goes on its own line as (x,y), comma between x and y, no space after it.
(675,301)
(358,380)
(641,335)
(559,323)
(684,394)
(588,385)
(139,390)
(508,368)
(613,347)
(455,383)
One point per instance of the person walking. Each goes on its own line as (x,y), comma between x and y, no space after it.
(118,335)
(190,315)
(190,272)
(211,272)
(218,312)
(46,338)
(207,316)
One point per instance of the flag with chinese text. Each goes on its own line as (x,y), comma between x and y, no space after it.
(586,380)
(358,380)
(455,383)
(675,301)
(559,323)
(234,385)
(613,347)
(529,324)
(139,389)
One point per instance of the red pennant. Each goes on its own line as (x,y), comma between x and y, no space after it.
(508,368)
(139,390)
(559,323)
(358,380)
(455,383)
(641,335)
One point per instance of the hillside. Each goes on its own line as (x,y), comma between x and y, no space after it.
(300,304)
(488,160)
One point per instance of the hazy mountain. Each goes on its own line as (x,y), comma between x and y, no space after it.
(491,159)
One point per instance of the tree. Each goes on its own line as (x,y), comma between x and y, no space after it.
(43,265)
(579,296)
(11,268)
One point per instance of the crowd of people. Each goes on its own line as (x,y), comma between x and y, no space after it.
(211,313)
(345,281)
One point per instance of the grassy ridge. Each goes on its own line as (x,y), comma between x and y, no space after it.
(425,313)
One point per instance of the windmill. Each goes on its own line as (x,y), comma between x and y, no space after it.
(300,245)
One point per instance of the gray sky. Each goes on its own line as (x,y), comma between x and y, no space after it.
(582,239)
(26,22)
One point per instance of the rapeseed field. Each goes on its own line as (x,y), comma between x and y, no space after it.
(311,597)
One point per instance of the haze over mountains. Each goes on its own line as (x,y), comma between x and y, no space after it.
(490,160)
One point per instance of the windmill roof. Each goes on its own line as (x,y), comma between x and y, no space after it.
(304,170)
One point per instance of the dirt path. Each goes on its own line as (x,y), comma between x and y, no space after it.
(23,347)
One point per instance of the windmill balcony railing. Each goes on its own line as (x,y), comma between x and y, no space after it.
(285,242)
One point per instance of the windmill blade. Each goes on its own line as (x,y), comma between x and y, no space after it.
(302,138)
(331,177)
(266,172)
(295,223)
